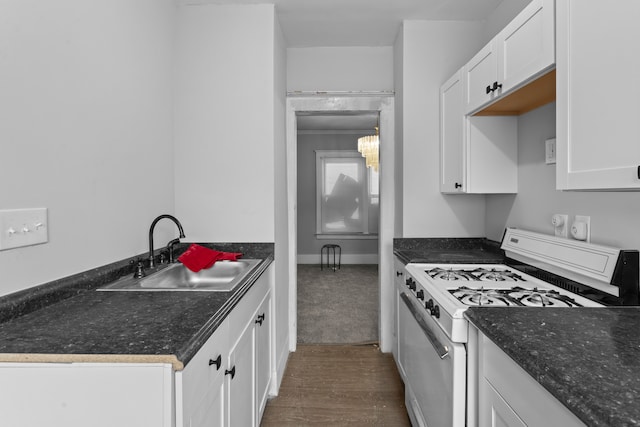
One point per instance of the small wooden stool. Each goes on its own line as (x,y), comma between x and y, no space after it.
(328,248)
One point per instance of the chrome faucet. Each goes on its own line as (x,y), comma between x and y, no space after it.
(170,244)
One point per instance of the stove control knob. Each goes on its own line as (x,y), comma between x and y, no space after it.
(411,284)
(429,305)
(436,311)
(420,294)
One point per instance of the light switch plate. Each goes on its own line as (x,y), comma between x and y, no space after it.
(550,151)
(23,227)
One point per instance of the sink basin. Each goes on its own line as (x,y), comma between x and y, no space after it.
(224,276)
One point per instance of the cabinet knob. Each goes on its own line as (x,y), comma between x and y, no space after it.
(458,185)
(398,273)
(231,372)
(260,319)
(217,362)
(489,90)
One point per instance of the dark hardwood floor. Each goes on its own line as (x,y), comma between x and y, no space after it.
(337,385)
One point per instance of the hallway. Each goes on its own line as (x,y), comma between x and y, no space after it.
(338,307)
(338,385)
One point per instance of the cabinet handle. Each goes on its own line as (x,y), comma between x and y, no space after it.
(217,362)
(638,172)
(260,319)
(231,372)
(494,88)
(458,185)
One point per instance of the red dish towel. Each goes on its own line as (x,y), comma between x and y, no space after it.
(198,257)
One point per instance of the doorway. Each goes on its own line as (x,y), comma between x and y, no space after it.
(382,105)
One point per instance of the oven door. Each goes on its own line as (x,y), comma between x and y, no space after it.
(435,369)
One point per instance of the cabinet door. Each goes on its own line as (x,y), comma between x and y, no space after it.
(240,377)
(496,412)
(526,46)
(452,135)
(262,327)
(597,133)
(480,74)
(491,154)
(198,386)
(209,412)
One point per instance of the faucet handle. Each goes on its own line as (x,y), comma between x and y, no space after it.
(163,257)
(139,273)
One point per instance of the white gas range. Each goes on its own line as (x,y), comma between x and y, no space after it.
(540,271)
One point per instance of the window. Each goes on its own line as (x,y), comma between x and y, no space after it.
(347,196)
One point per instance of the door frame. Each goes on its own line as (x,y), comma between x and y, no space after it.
(383,103)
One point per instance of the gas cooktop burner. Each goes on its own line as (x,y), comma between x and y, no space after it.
(515,296)
(450,274)
(486,274)
(542,298)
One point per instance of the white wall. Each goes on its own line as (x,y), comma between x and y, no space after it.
(85,131)
(340,69)
(398,82)
(614,215)
(431,52)
(224,122)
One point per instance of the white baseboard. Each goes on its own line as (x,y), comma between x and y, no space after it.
(346,258)
(278,375)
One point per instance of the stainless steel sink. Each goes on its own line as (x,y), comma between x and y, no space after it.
(224,276)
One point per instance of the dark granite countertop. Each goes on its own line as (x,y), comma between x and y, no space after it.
(448,250)
(77,323)
(588,358)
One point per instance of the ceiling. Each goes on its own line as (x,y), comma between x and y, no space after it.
(314,23)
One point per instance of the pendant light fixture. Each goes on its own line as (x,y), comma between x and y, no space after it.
(368,146)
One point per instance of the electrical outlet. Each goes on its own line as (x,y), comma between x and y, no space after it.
(581,228)
(560,224)
(23,227)
(550,151)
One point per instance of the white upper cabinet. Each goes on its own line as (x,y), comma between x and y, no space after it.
(477,154)
(597,130)
(481,78)
(452,135)
(526,45)
(523,50)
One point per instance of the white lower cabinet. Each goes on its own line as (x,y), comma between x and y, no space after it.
(227,381)
(399,286)
(200,386)
(225,384)
(509,396)
(86,394)
(240,380)
(263,352)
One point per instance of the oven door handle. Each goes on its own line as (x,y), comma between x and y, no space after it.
(442,350)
